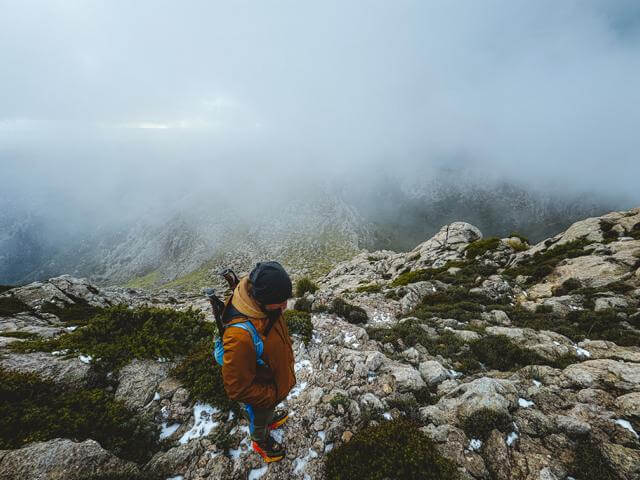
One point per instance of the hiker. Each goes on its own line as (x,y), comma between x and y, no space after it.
(260,381)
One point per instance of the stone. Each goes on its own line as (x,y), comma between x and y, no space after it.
(629,405)
(139,381)
(70,371)
(407,378)
(62,459)
(432,372)
(369,400)
(573,427)
(604,374)
(175,460)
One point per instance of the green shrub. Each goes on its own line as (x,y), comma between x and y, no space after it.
(481,422)
(340,399)
(5,288)
(590,462)
(372,288)
(569,285)
(202,376)
(635,231)
(351,313)
(501,353)
(77,313)
(608,233)
(11,305)
(455,302)
(305,285)
(396,450)
(303,304)
(466,276)
(34,409)
(542,263)
(19,334)
(479,247)
(299,322)
(119,334)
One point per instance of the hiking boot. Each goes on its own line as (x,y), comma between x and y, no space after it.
(270,450)
(278,420)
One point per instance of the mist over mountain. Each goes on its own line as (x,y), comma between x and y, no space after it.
(308,229)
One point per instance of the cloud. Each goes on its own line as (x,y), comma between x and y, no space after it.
(107,103)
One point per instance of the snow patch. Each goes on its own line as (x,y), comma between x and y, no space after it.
(537,383)
(167,430)
(328,447)
(625,424)
(303,364)
(156,397)
(203,422)
(278,435)
(454,374)
(512,437)
(299,464)
(177,477)
(85,359)
(581,352)
(297,390)
(257,473)
(524,403)
(71,328)
(475,444)
(387,416)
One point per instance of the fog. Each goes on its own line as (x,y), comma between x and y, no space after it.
(109,108)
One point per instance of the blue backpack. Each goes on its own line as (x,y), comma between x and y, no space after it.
(218,351)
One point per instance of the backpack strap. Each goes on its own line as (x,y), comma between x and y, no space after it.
(255,336)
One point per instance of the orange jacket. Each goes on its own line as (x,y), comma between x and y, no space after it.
(244,380)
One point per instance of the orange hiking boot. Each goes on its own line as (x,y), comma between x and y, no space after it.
(270,451)
(278,420)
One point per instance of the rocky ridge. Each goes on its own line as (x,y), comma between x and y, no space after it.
(581,394)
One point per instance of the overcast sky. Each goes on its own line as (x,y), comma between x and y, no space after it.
(118,100)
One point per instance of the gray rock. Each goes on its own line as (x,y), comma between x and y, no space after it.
(499,396)
(61,459)
(496,317)
(572,426)
(629,405)
(406,377)
(139,381)
(432,372)
(604,374)
(369,400)
(70,371)
(175,460)
(605,303)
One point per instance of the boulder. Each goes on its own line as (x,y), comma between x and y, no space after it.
(62,459)
(139,381)
(70,371)
(432,372)
(604,374)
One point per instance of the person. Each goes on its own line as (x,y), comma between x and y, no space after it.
(260,298)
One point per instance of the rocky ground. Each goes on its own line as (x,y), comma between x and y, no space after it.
(582,393)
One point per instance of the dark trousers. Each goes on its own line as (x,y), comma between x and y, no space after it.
(259,419)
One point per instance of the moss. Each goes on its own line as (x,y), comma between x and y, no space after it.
(481,422)
(77,313)
(394,449)
(479,247)
(590,462)
(303,304)
(35,409)
(455,302)
(542,263)
(351,313)
(119,334)
(409,403)
(569,285)
(19,334)
(466,276)
(340,399)
(305,285)
(501,353)
(371,258)
(299,322)
(371,288)
(202,376)
(608,233)
(392,294)
(11,305)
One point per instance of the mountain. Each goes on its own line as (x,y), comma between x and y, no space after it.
(467,357)
(183,244)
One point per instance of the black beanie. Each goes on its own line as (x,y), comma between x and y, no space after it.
(271,283)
